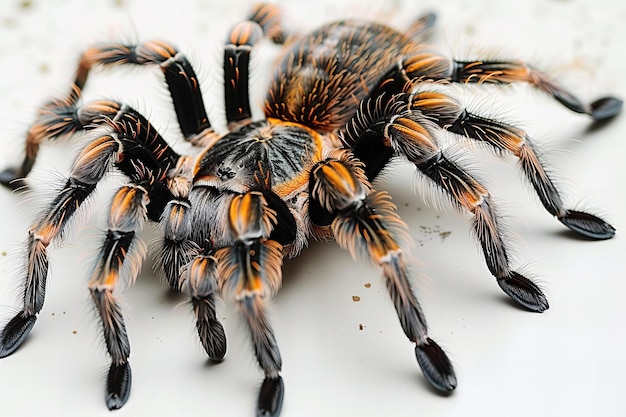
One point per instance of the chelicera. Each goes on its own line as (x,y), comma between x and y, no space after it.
(344,102)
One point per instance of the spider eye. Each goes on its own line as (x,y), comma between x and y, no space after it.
(226,173)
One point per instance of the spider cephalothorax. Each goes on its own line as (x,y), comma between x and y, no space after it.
(343,102)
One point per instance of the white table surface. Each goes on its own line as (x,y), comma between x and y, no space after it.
(568,361)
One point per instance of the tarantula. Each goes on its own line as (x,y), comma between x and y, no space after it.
(344,101)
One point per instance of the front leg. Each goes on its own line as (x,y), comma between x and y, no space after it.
(264,21)
(63,116)
(249,270)
(118,265)
(89,168)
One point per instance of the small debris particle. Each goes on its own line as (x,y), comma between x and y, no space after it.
(356,298)
(367,285)
(4,253)
(361,327)
(444,235)
(53,314)
(74,331)
(8,22)
(25,4)
(44,68)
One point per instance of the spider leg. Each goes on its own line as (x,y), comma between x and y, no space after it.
(177,247)
(145,159)
(429,66)
(249,271)
(129,143)
(180,77)
(90,166)
(504,72)
(268,16)
(447,113)
(365,221)
(121,252)
(263,21)
(201,279)
(63,116)
(421,28)
(405,132)
(153,152)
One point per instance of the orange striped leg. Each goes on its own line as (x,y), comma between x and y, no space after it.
(402,130)
(421,27)
(57,119)
(177,248)
(366,222)
(506,72)
(201,280)
(236,72)
(249,271)
(62,116)
(447,113)
(90,166)
(469,194)
(429,66)
(180,78)
(118,265)
(408,136)
(263,21)
(60,122)
(268,16)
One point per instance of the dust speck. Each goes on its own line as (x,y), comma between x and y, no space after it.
(444,235)
(356,298)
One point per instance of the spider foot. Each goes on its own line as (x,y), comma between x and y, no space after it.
(270,397)
(587,225)
(12,178)
(118,385)
(15,333)
(436,366)
(213,339)
(524,292)
(605,108)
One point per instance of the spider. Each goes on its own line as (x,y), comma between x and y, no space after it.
(345,101)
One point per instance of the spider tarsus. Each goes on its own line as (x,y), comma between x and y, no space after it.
(524,292)
(271,396)
(605,108)
(436,366)
(213,339)
(587,225)
(12,179)
(118,385)
(15,332)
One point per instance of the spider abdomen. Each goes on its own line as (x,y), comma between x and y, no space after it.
(324,76)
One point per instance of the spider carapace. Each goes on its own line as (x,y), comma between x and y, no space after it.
(344,101)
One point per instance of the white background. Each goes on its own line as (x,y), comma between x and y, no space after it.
(568,361)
